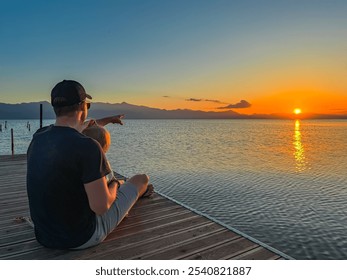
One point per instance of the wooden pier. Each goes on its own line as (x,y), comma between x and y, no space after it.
(156,228)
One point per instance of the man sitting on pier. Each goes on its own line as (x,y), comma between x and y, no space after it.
(70,203)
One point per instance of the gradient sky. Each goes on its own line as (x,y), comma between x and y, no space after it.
(275,55)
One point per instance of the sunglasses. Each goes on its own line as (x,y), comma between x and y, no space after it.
(88,104)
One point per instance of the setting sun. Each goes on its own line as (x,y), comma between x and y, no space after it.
(297,111)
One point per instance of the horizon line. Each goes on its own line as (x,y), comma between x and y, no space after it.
(285,116)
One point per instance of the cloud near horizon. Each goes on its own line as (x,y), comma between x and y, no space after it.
(240,105)
(207,100)
(194,99)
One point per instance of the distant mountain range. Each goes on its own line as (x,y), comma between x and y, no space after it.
(98,110)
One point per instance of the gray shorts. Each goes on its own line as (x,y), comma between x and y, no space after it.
(127,195)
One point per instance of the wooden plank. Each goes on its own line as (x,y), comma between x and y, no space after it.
(13,202)
(11,217)
(145,203)
(132,221)
(17,229)
(13,157)
(20,163)
(133,229)
(39,253)
(156,243)
(13,210)
(11,195)
(9,169)
(154,211)
(27,245)
(16,238)
(258,253)
(13,182)
(12,223)
(109,245)
(190,247)
(15,187)
(226,250)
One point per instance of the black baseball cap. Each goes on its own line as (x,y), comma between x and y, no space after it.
(68,92)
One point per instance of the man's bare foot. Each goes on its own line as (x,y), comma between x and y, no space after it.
(149,192)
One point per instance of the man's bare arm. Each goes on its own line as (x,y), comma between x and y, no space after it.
(101,196)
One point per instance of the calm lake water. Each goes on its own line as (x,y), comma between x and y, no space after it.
(281,182)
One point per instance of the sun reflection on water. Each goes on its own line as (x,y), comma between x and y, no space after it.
(299,152)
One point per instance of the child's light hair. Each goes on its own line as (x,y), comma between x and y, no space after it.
(100,134)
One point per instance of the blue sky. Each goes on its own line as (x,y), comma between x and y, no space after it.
(138,51)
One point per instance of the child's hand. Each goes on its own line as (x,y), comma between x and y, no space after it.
(117,119)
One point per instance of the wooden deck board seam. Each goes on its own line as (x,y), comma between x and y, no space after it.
(201,249)
(152,228)
(233,241)
(16,253)
(150,220)
(164,236)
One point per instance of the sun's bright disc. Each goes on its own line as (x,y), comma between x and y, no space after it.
(297,111)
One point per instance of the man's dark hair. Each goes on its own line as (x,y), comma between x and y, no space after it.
(66,110)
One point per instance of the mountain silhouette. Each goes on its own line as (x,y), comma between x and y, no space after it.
(99,110)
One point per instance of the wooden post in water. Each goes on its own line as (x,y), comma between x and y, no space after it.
(12,142)
(40,115)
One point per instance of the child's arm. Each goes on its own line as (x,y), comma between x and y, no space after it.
(111,119)
(103,121)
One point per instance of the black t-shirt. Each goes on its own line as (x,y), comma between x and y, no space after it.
(60,161)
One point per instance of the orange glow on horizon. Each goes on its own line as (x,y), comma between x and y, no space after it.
(281,104)
(310,103)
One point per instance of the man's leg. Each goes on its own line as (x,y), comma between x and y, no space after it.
(141,182)
(127,195)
